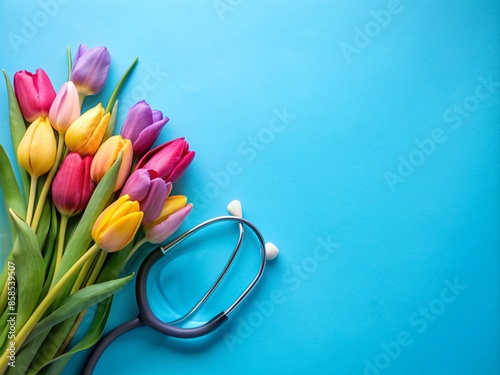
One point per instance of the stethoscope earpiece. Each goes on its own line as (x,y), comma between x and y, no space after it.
(234,208)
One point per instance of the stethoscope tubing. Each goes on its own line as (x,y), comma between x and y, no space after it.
(147,317)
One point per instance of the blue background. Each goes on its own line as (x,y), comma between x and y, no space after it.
(363,84)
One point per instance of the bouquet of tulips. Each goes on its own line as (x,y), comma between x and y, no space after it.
(85,202)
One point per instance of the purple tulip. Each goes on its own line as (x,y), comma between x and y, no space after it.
(149,189)
(170,159)
(90,69)
(142,126)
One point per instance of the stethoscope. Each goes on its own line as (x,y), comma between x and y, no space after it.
(147,317)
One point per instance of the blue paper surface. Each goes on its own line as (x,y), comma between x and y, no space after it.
(362,139)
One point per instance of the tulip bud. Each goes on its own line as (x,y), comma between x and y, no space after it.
(173,213)
(85,134)
(72,187)
(65,109)
(149,189)
(142,126)
(107,154)
(170,160)
(117,225)
(90,69)
(37,150)
(34,93)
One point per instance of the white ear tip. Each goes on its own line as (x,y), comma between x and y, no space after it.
(234,208)
(271,251)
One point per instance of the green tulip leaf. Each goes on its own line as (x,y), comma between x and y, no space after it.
(51,345)
(77,302)
(92,335)
(112,122)
(49,255)
(17,130)
(30,270)
(12,196)
(81,237)
(4,331)
(44,224)
(25,356)
(119,85)
(3,278)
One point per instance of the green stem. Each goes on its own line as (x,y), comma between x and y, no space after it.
(60,240)
(48,182)
(90,281)
(81,97)
(139,243)
(44,305)
(70,64)
(31,199)
(119,85)
(71,333)
(97,268)
(81,276)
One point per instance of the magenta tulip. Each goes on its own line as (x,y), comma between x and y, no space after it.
(34,93)
(170,159)
(148,188)
(72,187)
(142,126)
(90,69)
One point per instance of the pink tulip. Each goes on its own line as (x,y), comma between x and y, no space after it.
(72,187)
(66,107)
(34,93)
(172,215)
(146,187)
(170,159)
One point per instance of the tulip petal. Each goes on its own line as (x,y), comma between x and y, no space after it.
(166,158)
(138,118)
(82,49)
(85,134)
(120,233)
(69,176)
(181,167)
(159,233)
(172,204)
(46,92)
(37,150)
(148,136)
(90,69)
(157,115)
(124,209)
(137,185)
(34,93)
(105,215)
(152,204)
(66,107)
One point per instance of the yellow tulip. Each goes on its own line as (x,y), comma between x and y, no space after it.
(117,224)
(37,150)
(107,155)
(85,134)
